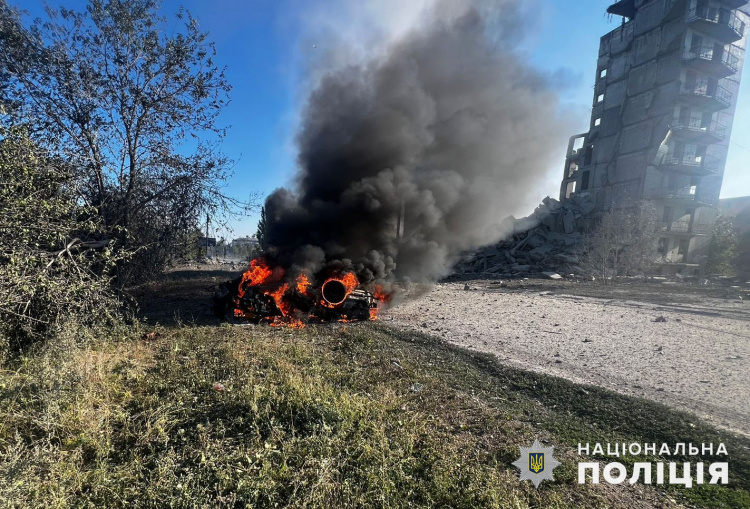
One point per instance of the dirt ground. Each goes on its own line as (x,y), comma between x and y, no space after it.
(697,360)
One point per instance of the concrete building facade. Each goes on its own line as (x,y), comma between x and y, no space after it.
(664,100)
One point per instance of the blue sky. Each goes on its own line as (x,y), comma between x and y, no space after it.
(266,44)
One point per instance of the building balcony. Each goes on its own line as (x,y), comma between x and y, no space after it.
(706,95)
(708,61)
(693,166)
(689,195)
(695,131)
(625,8)
(719,23)
(684,227)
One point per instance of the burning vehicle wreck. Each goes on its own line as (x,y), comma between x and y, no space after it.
(264,294)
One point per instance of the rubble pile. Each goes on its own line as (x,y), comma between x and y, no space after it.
(545,244)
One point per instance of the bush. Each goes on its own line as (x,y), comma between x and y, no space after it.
(55,261)
(722,250)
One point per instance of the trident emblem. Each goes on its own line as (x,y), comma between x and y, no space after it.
(536,462)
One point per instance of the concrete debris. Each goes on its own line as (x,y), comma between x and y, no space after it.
(537,241)
(520,268)
(569,221)
(547,241)
(541,251)
(570,258)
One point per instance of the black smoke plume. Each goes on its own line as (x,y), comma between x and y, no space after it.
(447,133)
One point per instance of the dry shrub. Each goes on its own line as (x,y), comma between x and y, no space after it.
(56,261)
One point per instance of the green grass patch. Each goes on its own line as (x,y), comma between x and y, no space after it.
(328,416)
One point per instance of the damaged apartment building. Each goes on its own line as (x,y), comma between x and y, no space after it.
(664,100)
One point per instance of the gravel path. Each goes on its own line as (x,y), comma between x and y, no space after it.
(698,360)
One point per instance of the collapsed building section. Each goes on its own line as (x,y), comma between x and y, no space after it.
(547,243)
(664,101)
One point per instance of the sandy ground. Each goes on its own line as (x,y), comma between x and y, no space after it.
(698,360)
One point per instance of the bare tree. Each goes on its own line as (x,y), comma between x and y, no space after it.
(640,238)
(624,242)
(133,107)
(601,248)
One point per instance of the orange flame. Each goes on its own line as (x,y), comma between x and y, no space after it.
(380,294)
(296,323)
(258,274)
(382,297)
(278,298)
(350,281)
(303,284)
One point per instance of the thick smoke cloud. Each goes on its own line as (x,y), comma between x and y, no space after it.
(448,130)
